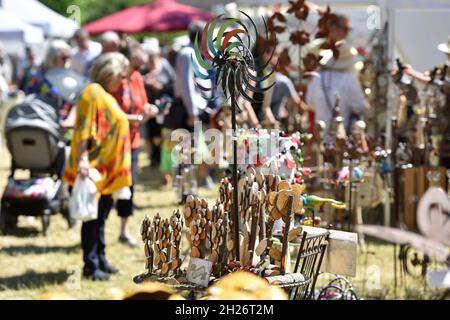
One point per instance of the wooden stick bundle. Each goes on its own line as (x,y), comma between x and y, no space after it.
(161,239)
(198,220)
(262,200)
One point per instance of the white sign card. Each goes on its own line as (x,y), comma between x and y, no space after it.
(198,271)
(439,279)
(341,255)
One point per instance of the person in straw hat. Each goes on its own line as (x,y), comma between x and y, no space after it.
(445,47)
(337,80)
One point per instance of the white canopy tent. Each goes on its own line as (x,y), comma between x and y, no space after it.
(16,34)
(37,14)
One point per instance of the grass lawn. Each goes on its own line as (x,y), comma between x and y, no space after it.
(32,265)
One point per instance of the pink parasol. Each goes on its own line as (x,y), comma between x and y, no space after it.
(158,16)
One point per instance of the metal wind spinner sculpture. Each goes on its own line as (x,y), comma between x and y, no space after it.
(232,69)
(228,59)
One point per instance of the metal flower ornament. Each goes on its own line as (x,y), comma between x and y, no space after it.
(229,64)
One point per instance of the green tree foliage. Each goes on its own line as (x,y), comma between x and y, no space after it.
(92,9)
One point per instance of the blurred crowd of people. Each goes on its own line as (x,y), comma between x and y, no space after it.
(142,91)
(128,81)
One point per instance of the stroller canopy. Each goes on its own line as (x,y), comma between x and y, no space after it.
(35,112)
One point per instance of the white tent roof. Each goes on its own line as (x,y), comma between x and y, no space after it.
(15,34)
(10,25)
(37,14)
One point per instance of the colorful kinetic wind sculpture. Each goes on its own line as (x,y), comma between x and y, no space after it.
(232,70)
(228,60)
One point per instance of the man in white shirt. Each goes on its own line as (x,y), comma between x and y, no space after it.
(190,95)
(85,51)
(337,79)
(184,86)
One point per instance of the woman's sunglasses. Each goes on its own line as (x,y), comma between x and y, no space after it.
(65,58)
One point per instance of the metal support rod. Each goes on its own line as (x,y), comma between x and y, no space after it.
(235,178)
(300,250)
(315,214)
(350,196)
(359,219)
(395,270)
(387,199)
(396,175)
(350,204)
(390,17)
(316,274)
(297,263)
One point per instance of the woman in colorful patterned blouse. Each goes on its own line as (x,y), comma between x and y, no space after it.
(101,140)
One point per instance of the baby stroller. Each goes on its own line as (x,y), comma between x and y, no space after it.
(33,138)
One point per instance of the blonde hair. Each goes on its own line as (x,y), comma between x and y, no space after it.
(56,49)
(107,66)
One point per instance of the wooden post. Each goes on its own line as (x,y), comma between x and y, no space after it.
(286,236)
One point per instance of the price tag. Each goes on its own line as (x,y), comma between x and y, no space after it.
(439,279)
(198,271)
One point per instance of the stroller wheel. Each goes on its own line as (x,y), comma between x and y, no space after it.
(45,223)
(7,221)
